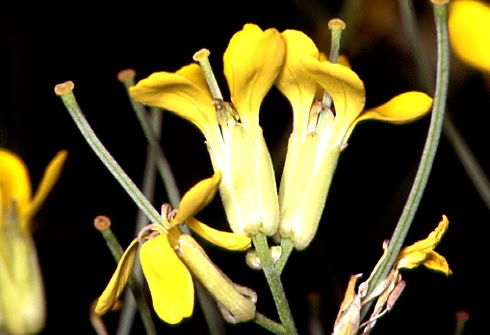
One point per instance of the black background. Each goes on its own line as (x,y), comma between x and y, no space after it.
(89,44)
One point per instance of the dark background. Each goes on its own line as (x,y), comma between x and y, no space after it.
(90,45)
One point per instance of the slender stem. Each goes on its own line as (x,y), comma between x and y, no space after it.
(111,164)
(269,324)
(471,165)
(148,189)
(430,148)
(468,160)
(134,283)
(275,284)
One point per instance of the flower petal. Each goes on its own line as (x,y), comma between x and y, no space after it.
(252,62)
(184,93)
(421,251)
(170,283)
(403,108)
(118,281)
(469,31)
(50,177)
(230,241)
(14,182)
(294,82)
(198,197)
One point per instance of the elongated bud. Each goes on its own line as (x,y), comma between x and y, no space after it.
(238,303)
(22,308)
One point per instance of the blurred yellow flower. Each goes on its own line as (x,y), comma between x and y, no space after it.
(168,278)
(469,32)
(233,135)
(22,309)
(320,132)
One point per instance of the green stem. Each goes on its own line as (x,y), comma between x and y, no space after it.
(134,283)
(468,160)
(128,185)
(430,148)
(269,324)
(275,284)
(471,165)
(148,189)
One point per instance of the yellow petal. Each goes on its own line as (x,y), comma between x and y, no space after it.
(170,282)
(198,197)
(14,182)
(294,82)
(118,281)
(469,31)
(422,252)
(252,62)
(230,241)
(184,93)
(405,107)
(50,177)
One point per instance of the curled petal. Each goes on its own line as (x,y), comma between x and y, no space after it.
(230,241)
(118,281)
(184,93)
(198,197)
(252,62)
(422,252)
(14,182)
(170,283)
(47,182)
(294,82)
(469,28)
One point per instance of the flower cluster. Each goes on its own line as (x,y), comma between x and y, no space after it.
(327,101)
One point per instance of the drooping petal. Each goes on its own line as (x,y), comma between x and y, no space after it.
(198,197)
(344,87)
(230,241)
(170,283)
(469,31)
(118,281)
(184,93)
(50,177)
(422,252)
(294,82)
(14,182)
(252,62)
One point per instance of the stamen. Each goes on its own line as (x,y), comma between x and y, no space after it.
(320,116)
(202,57)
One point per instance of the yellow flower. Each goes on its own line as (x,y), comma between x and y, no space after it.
(168,278)
(22,309)
(233,135)
(469,32)
(422,252)
(320,133)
